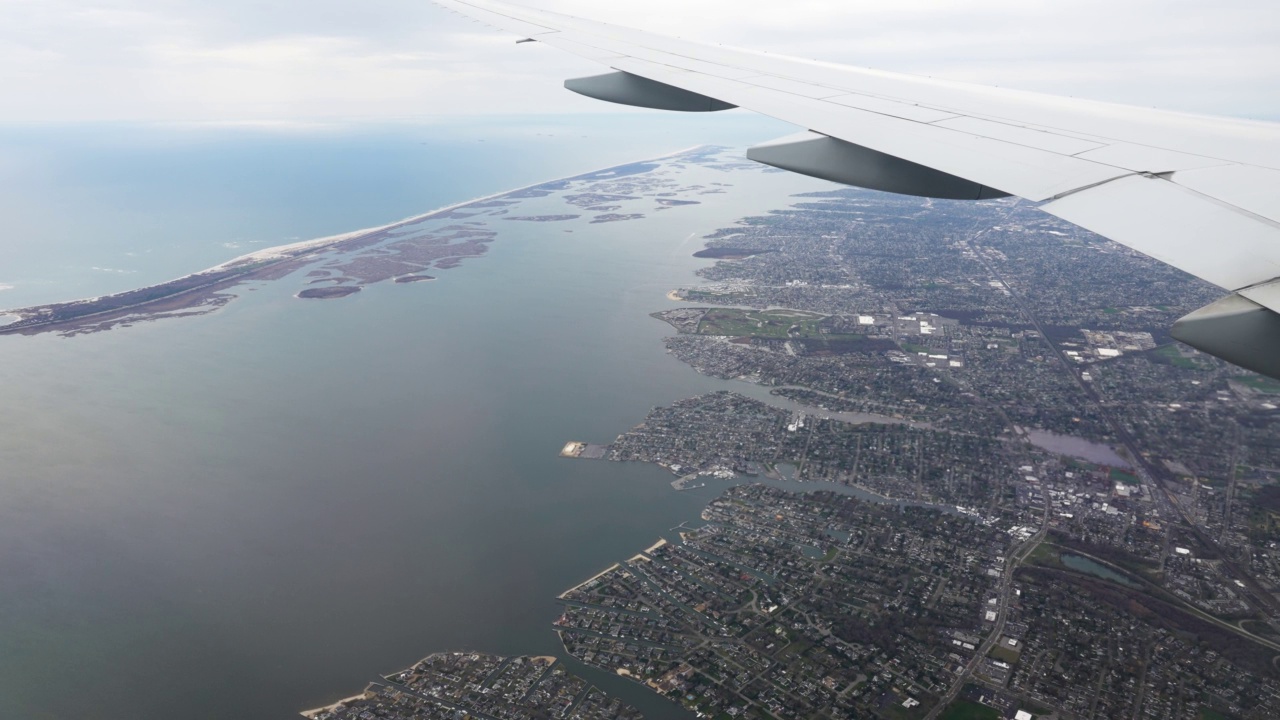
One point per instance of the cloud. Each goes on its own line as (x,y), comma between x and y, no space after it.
(300,61)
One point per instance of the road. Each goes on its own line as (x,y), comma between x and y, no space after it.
(1004,597)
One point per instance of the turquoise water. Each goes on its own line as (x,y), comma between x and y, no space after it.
(249,513)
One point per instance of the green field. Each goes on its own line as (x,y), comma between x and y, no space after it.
(1264,525)
(725,298)
(1259,628)
(1124,477)
(1261,384)
(1045,555)
(780,324)
(1005,654)
(965,710)
(1033,708)
(1173,355)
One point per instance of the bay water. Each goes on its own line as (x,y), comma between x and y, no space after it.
(254,512)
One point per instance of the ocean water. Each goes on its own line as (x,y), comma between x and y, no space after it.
(100,209)
(250,513)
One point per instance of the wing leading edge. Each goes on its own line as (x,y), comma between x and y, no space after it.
(1199,193)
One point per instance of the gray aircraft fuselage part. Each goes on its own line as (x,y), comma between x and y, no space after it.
(627,89)
(829,158)
(1237,330)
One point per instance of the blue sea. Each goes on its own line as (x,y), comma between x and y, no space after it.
(254,512)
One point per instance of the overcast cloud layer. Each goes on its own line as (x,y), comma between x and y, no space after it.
(308,60)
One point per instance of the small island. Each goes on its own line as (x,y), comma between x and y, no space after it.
(543,218)
(329,293)
(413,279)
(616,217)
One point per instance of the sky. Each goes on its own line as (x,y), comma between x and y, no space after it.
(298,61)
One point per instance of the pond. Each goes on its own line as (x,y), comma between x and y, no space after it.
(1077,448)
(1090,567)
(812,552)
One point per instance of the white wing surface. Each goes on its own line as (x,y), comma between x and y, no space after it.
(1199,193)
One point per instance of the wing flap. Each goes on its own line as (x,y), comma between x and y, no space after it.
(1251,189)
(794,87)
(1029,137)
(1140,158)
(1179,227)
(565,41)
(892,108)
(501,20)
(1267,295)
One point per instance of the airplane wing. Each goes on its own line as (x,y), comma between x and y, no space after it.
(1199,193)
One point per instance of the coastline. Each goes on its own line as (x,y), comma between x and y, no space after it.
(275,252)
(354,698)
(372,690)
(591,579)
(30,320)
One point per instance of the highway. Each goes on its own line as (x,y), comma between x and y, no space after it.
(1005,597)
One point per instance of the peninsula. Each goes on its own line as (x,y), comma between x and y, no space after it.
(445,686)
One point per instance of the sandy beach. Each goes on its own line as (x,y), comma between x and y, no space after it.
(354,698)
(593,578)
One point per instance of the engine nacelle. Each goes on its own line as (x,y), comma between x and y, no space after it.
(829,158)
(1237,330)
